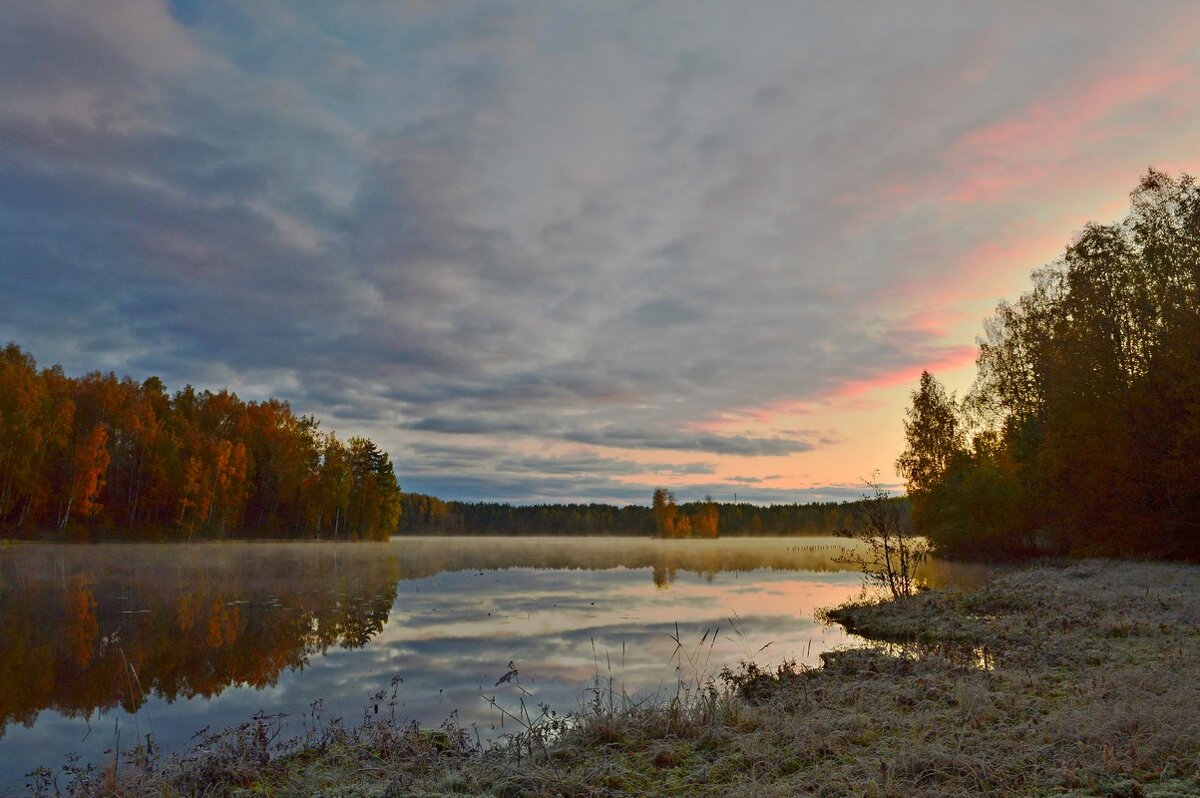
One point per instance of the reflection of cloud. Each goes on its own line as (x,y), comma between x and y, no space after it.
(534,229)
(564,610)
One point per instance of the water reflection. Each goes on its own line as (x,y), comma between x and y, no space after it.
(92,628)
(165,639)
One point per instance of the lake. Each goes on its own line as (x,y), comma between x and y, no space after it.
(144,639)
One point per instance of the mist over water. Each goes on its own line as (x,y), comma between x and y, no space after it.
(165,640)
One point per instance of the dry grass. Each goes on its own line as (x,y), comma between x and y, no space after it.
(1079,680)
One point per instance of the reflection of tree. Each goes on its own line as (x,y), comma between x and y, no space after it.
(87,629)
(666,559)
(81,626)
(429,556)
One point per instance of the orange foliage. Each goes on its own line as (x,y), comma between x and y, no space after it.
(100,456)
(91,463)
(81,626)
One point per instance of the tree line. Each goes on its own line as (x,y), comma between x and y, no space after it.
(428,515)
(1081,432)
(102,457)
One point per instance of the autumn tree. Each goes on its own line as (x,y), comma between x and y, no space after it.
(664,511)
(90,465)
(374,502)
(706,519)
(1083,421)
(22,431)
(933,436)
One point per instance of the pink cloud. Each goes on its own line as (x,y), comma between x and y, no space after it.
(1015,153)
(851,395)
(1044,142)
(952,357)
(983,271)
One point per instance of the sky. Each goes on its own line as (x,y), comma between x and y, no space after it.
(549,252)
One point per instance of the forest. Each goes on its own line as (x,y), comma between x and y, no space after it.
(1081,432)
(428,515)
(97,457)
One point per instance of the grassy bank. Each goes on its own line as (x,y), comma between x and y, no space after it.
(1075,680)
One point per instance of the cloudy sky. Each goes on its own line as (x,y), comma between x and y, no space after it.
(568,251)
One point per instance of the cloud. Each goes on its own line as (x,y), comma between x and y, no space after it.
(699,442)
(513,227)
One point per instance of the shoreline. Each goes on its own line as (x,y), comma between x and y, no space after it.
(1061,679)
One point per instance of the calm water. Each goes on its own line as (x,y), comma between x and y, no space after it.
(168,639)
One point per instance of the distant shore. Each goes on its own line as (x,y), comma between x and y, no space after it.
(1069,679)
